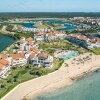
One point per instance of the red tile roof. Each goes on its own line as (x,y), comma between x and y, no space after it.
(35,50)
(29,51)
(43,54)
(4,62)
(22,55)
(29,39)
(1,66)
(15,56)
(32,55)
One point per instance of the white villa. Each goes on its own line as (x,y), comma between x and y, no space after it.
(84,40)
(18,59)
(25,29)
(42,36)
(27,51)
(42,59)
(4,68)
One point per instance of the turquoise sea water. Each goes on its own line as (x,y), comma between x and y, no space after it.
(5,41)
(88,88)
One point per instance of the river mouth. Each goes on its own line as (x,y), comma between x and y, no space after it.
(5,41)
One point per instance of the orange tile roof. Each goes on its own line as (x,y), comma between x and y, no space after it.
(82,37)
(29,51)
(35,50)
(43,54)
(32,55)
(22,55)
(4,62)
(1,66)
(15,56)
(29,39)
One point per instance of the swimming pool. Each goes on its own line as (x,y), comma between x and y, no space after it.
(69,55)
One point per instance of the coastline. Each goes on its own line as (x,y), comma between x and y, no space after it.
(57,85)
(63,77)
(9,46)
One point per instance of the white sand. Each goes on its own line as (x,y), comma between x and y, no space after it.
(53,80)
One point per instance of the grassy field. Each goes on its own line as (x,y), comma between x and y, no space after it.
(96,51)
(21,74)
(50,47)
(39,25)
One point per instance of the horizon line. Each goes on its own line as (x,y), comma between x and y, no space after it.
(50,12)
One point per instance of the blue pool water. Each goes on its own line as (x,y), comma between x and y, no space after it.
(69,55)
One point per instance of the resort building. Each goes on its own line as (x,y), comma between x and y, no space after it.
(18,59)
(27,44)
(55,35)
(26,51)
(84,41)
(4,68)
(42,59)
(25,29)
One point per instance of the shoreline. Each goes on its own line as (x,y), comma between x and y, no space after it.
(10,45)
(58,85)
(63,77)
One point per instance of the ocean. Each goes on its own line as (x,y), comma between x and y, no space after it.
(87,88)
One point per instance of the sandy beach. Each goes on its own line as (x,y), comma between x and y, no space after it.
(70,71)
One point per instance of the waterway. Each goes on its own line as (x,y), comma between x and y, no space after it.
(5,41)
(67,25)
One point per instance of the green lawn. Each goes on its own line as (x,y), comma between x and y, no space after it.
(25,73)
(50,47)
(96,51)
(57,64)
(39,25)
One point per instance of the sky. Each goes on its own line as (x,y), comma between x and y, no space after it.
(49,5)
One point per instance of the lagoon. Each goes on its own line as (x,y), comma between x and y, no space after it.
(5,41)
(67,25)
(30,24)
